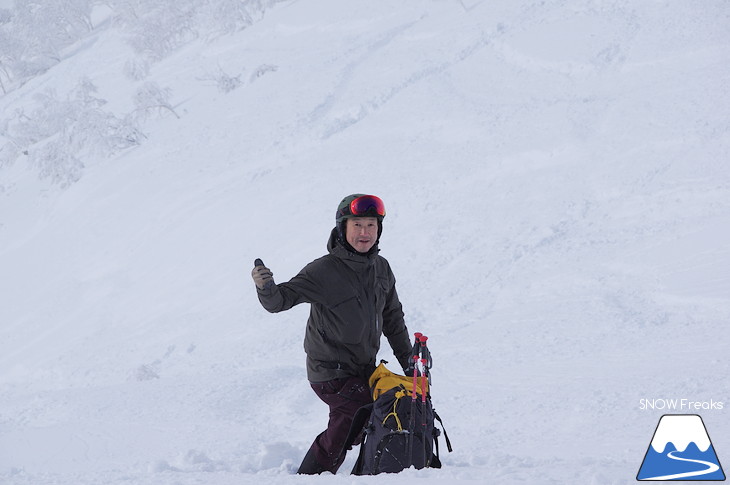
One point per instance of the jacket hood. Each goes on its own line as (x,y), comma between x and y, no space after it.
(344,250)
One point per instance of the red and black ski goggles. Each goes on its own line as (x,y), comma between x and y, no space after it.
(364,206)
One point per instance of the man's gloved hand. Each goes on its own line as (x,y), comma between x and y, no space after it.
(262,276)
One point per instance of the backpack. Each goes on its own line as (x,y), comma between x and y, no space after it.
(398,431)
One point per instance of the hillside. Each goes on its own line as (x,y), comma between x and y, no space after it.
(558,215)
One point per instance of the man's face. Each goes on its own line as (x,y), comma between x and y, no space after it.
(362,233)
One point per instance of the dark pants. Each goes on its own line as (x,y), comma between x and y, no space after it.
(344,397)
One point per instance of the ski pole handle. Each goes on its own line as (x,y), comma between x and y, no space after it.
(425,353)
(415,352)
(417,343)
(258,262)
(427,360)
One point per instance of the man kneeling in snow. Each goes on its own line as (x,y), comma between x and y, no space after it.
(353,302)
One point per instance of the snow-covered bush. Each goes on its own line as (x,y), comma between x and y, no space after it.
(262,70)
(157,28)
(223,81)
(229,16)
(34,33)
(136,69)
(151,97)
(59,134)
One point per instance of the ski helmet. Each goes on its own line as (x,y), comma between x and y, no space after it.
(359,205)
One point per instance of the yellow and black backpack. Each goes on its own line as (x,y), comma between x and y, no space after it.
(397,430)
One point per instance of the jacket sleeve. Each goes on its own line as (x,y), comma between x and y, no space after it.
(394,328)
(303,288)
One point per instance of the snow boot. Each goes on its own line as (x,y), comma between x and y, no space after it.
(310,465)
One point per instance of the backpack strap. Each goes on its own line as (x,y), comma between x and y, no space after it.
(446,436)
(357,469)
(435,458)
(358,423)
(435,461)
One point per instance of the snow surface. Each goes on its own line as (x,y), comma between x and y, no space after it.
(558,192)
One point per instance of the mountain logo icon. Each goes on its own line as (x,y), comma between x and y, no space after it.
(680,450)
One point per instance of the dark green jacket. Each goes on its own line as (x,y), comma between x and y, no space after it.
(353,302)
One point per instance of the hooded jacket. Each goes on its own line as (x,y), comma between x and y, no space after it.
(353,302)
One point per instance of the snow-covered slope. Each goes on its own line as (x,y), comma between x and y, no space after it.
(558,193)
